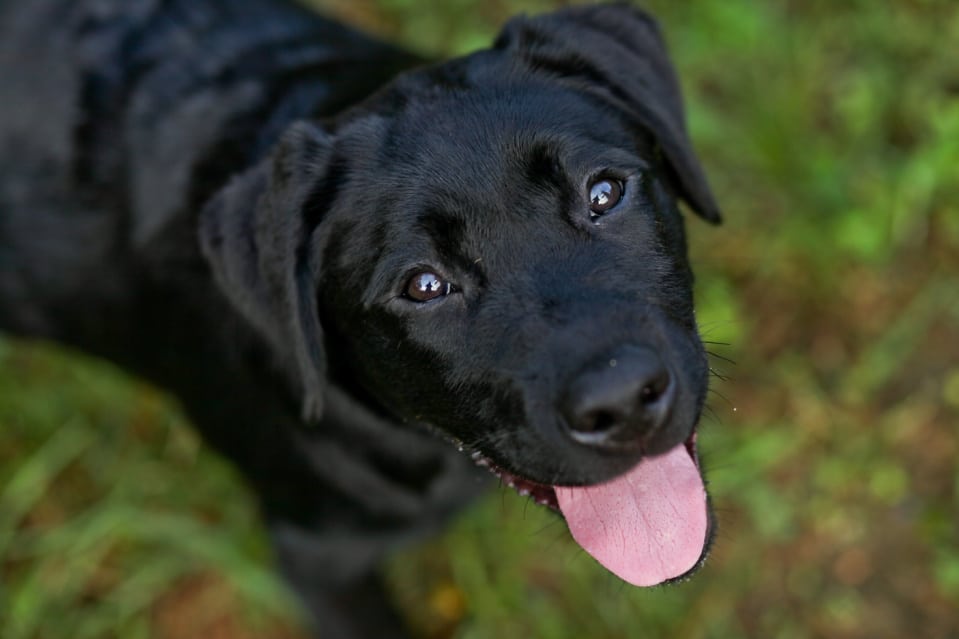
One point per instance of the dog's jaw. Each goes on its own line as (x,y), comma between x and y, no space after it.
(661,558)
(542,494)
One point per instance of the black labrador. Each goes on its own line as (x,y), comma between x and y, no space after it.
(367,277)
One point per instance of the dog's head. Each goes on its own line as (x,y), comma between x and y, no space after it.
(493,248)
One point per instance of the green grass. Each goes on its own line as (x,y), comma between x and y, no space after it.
(830,131)
(110,504)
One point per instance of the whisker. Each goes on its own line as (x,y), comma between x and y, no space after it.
(721,396)
(708,327)
(722,357)
(718,375)
(714,467)
(713,414)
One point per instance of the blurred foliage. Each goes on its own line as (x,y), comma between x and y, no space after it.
(115,522)
(830,131)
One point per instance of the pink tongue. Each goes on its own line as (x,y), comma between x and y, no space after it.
(646,526)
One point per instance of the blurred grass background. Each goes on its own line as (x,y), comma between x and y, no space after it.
(830,131)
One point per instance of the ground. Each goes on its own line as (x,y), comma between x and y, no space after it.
(831,134)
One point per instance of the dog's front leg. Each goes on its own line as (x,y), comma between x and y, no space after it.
(344,601)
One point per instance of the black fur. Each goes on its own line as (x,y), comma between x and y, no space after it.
(193,188)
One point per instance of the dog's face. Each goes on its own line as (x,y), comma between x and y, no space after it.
(504,262)
(493,248)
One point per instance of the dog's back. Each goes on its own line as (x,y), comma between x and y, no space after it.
(119,119)
(489,250)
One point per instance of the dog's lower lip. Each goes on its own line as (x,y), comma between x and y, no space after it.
(693,451)
(544,494)
(691,448)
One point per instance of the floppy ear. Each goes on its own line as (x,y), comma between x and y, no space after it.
(617,51)
(257,241)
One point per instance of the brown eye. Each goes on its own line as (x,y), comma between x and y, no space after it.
(427,286)
(604,194)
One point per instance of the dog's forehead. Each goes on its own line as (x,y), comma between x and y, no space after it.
(485,134)
(480,155)
(459,176)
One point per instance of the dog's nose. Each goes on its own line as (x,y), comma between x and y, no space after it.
(620,400)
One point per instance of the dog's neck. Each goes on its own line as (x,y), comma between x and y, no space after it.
(163,86)
(418,478)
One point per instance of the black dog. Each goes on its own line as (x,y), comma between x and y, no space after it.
(347,271)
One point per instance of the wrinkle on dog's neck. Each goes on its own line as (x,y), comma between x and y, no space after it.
(418,477)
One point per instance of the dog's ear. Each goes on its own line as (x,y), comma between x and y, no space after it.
(256,234)
(617,51)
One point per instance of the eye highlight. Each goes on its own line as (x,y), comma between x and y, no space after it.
(604,195)
(426,286)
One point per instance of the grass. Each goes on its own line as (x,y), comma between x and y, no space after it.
(830,132)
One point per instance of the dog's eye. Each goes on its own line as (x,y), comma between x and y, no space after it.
(604,194)
(427,286)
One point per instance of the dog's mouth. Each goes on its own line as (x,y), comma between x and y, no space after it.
(542,494)
(649,526)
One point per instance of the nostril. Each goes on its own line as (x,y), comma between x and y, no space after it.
(598,421)
(619,406)
(654,390)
